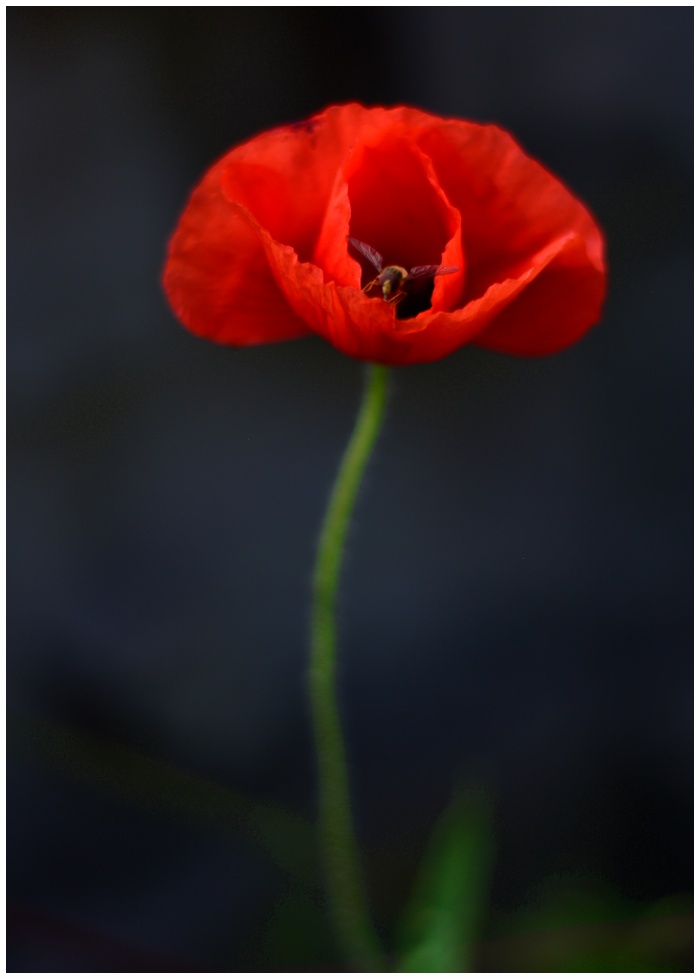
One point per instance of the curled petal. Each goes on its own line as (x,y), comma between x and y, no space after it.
(217,276)
(555,310)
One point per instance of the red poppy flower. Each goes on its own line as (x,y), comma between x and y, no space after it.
(261,252)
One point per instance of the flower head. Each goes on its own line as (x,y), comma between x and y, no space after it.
(263,250)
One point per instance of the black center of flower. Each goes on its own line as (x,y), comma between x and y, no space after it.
(417,299)
(409,296)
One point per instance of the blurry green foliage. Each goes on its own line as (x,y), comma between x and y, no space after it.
(582,926)
(446,912)
(569,925)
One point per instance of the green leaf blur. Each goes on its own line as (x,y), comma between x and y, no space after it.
(445,914)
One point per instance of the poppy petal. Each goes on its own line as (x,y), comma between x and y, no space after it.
(217,276)
(511,206)
(284,177)
(387,195)
(555,309)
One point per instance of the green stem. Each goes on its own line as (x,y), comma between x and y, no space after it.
(347,898)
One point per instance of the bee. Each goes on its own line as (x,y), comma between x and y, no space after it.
(391,278)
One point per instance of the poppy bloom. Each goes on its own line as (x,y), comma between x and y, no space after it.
(263,251)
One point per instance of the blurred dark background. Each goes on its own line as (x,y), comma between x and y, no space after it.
(516,607)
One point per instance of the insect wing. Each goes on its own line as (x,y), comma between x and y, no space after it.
(369,253)
(421,271)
